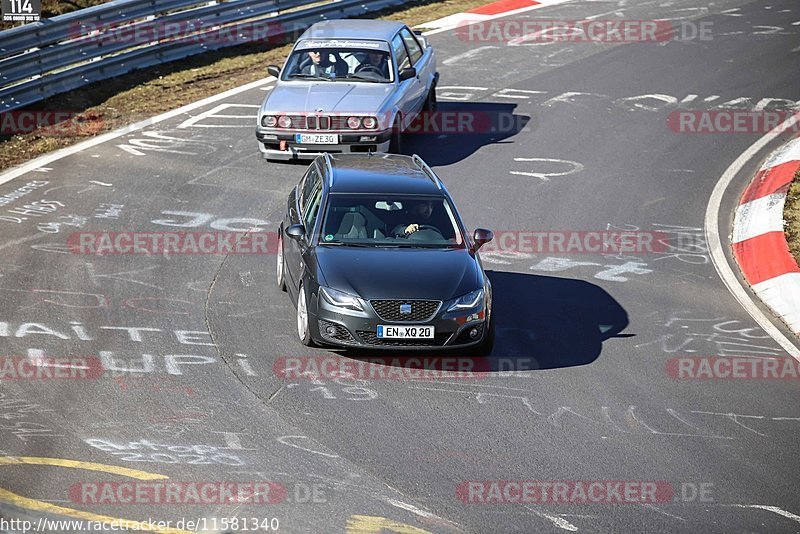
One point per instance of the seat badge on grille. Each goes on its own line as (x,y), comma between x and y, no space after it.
(405,309)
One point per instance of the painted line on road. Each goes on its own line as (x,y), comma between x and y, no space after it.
(37,505)
(68,151)
(711,228)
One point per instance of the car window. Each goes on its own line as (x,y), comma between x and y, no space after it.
(382,221)
(337,64)
(313,207)
(307,186)
(400,53)
(414,49)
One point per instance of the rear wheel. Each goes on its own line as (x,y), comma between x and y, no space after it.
(396,143)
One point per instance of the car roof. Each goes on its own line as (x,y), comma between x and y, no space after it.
(381,173)
(353,29)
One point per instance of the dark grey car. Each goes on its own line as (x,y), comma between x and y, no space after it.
(374,254)
(347,86)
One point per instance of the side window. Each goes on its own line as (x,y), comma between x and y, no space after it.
(414,49)
(306,187)
(313,207)
(399,52)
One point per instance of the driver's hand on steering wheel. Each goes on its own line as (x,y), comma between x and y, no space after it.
(411,228)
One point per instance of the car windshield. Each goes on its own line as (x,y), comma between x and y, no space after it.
(390,221)
(339,64)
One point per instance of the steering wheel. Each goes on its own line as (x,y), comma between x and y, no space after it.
(423,227)
(369,68)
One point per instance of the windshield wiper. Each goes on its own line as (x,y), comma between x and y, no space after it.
(360,77)
(310,76)
(340,244)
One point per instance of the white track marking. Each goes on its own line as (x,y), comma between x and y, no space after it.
(100,139)
(466,55)
(557,521)
(775,509)
(213,112)
(711,225)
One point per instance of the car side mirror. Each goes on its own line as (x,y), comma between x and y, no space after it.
(274,70)
(408,72)
(296,231)
(480,238)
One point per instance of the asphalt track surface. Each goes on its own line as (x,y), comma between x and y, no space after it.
(585,396)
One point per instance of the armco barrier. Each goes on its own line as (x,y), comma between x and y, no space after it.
(63,53)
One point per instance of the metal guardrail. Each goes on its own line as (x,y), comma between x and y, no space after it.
(63,53)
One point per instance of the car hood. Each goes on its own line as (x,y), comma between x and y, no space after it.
(401,273)
(344,97)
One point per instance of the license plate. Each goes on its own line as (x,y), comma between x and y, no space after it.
(317,139)
(404,332)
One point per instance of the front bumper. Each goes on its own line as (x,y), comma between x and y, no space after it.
(269,143)
(346,328)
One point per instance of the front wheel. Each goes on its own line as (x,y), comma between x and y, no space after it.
(279,267)
(303,330)
(430,100)
(396,143)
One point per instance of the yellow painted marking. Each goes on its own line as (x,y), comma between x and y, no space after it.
(76,464)
(369,524)
(41,506)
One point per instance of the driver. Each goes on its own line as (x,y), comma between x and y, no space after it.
(419,210)
(375,61)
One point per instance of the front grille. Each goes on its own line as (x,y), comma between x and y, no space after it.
(298,122)
(340,333)
(371,338)
(421,310)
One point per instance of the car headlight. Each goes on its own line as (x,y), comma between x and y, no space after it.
(269,121)
(369,122)
(468,301)
(341,299)
(284,121)
(353,122)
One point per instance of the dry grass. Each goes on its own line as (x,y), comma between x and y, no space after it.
(791,217)
(126,99)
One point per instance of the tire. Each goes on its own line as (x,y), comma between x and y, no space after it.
(430,100)
(279,267)
(303,326)
(396,143)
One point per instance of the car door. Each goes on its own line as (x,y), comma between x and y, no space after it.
(422,60)
(407,89)
(294,248)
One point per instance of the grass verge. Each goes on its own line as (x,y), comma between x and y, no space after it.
(791,217)
(123,100)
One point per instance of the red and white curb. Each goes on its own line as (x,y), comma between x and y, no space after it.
(759,245)
(500,8)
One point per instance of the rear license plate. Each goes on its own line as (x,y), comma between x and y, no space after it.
(316,139)
(404,332)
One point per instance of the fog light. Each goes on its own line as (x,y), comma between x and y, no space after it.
(474,333)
